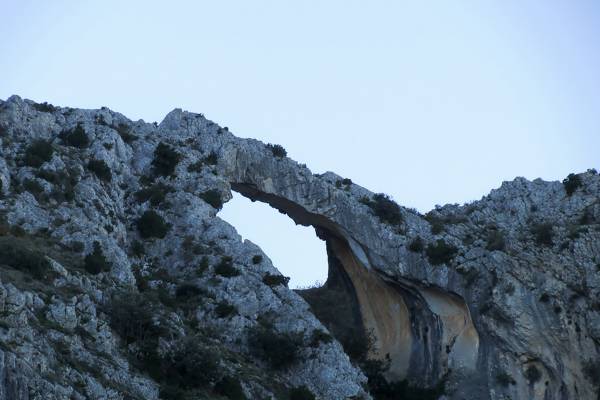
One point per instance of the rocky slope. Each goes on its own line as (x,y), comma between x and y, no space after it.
(119,281)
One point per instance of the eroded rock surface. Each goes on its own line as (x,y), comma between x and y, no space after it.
(496,299)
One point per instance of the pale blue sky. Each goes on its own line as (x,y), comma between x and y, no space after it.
(431,102)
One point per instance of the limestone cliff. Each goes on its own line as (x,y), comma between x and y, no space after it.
(119,280)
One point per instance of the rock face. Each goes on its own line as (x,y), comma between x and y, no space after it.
(496,299)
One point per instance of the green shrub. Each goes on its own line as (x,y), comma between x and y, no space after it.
(279,350)
(44,107)
(213,197)
(416,245)
(231,388)
(257,259)
(156,194)
(381,389)
(95,262)
(210,159)
(225,268)
(543,233)
(33,187)
(131,316)
(440,252)
(301,393)
(37,153)
(165,160)
(495,240)
(125,132)
(224,310)
(19,254)
(505,379)
(188,291)
(533,374)
(277,150)
(75,137)
(151,224)
(346,181)
(275,280)
(385,208)
(571,183)
(591,369)
(320,336)
(100,169)
(191,365)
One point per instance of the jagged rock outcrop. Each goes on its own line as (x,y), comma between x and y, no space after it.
(495,299)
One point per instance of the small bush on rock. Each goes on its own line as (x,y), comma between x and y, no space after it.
(224,310)
(231,388)
(495,240)
(125,132)
(44,107)
(440,252)
(571,183)
(257,259)
(416,245)
(533,374)
(165,159)
(385,208)
(280,350)
(100,169)
(277,150)
(152,225)
(301,393)
(95,262)
(16,253)
(156,194)
(543,233)
(75,137)
(213,197)
(275,280)
(37,153)
(225,268)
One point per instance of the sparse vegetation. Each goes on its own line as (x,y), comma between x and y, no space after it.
(385,208)
(213,197)
(301,393)
(320,336)
(37,153)
(210,159)
(591,369)
(416,245)
(125,132)
(100,169)
(505,379)
(225,268)
(44,107)
(571,183)
(96,262)
(75,137)
(165,160)
(20,255)
(152,225)
(156,194)
(277,150)
(257,259)
(381,389)
(224,309)
(440,252)
(231,388)
(543,233)
(275,280)
(533,374)
(279,350)
(495,240)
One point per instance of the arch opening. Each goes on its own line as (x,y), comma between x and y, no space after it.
(295,250)
(422,331)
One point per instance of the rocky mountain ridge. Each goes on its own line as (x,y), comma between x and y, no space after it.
(120,281)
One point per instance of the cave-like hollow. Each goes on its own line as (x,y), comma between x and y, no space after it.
(420,332)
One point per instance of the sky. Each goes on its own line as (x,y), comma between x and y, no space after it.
(431,102)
